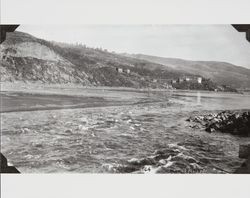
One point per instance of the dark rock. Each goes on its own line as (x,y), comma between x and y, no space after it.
(234,122)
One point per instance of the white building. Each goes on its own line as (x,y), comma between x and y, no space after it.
(119,70)
(180,80)
(199,80)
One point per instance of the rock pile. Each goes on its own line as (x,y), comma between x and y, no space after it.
(234,122)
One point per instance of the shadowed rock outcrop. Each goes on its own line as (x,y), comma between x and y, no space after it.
(234,122)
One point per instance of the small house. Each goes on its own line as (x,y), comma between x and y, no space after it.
(119,70)
(199,80)
(180,80)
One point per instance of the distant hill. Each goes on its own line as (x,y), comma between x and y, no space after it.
(219,72)
(27,58)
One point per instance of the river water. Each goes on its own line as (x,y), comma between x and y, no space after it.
(142,137)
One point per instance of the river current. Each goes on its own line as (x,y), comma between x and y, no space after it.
(139,138)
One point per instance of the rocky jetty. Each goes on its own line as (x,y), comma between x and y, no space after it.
(234,122)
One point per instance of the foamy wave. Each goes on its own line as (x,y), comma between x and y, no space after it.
(172,159)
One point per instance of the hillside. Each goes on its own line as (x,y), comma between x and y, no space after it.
(27,58)
(219,72)
(30,59)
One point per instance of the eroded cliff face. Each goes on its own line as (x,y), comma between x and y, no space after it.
(32,61)
(30,49)
(29,59)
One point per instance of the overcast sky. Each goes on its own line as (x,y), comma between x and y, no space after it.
(192,42)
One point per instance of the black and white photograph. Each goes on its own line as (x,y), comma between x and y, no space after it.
(161,99)
(114,98)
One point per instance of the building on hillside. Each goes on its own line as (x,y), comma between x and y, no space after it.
(167,86)
(119,70)
(173,81)
(180,80)
(199,80)
(128,71)
(187,79)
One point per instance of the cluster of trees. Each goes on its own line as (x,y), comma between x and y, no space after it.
(206,84)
